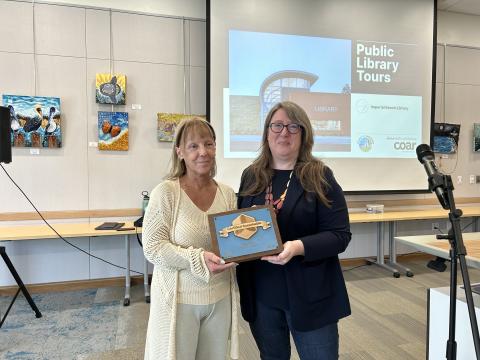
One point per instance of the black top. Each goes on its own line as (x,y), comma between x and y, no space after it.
(270,284)
(313,284)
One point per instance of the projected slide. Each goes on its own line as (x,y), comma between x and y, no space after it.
(359,94)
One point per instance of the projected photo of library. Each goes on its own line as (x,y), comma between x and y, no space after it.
(284,69)
(328,112)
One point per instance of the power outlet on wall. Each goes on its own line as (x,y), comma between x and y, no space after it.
(435,226)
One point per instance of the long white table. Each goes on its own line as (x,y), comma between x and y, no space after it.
(78,230)
(390,219)
(430,245)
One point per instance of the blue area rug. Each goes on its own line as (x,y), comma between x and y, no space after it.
(73,325)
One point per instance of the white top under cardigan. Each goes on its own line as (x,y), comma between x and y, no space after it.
(175,234)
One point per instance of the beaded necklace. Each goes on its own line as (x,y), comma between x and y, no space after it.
(277,204)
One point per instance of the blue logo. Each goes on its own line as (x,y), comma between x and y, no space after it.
(365,143)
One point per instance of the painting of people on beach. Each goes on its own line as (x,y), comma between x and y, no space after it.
(35,121)
(167,123)
(112,131)
(110,89)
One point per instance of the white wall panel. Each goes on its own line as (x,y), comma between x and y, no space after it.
(197,31)
(198,90)
(59,30)
(16,74)
(463,65)
(187,8)
(98,34)
(439,103)
(146,38)
(440,63)
(16,26)
(458,29)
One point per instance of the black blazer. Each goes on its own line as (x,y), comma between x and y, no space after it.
(316,289)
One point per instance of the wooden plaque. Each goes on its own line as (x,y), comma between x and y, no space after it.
(245,234)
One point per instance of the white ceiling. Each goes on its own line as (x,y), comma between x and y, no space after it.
(471,7)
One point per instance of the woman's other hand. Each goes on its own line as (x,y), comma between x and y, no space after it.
(216,264)
(290,249)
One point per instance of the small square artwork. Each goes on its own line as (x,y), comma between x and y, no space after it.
(476,137)
(445,138)
(112,131)
(110,89)
(34,121)
(167,123)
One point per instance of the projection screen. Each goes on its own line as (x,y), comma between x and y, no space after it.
(362,69)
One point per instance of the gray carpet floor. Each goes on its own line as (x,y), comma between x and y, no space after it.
(388,320)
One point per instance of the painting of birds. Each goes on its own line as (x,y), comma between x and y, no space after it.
(35,121)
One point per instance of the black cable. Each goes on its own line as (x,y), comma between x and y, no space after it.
(60,236)
(410,253)
(355,267)
(138,237)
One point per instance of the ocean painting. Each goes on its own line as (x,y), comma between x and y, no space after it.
(445,138)
(112,131)
(110,89)
(35,121)
(167,123)
(476,137)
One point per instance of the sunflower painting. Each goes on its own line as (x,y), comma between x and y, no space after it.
(167,123)
(110,89)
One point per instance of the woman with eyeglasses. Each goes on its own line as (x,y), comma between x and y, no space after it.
(300,291)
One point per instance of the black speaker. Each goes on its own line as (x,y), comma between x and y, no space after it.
(5,142)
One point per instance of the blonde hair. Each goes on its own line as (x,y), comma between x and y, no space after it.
(193,125)
(309,170)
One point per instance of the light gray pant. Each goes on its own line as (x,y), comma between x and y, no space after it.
(202,330)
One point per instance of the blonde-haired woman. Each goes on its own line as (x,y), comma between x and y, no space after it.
(300,291)
(192,310)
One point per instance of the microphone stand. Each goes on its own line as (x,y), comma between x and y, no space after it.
(457,252)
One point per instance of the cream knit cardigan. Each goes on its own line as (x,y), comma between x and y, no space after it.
(175,234)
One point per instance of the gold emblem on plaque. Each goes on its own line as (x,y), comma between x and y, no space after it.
(244,227)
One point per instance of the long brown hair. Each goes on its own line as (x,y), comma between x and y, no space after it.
(309,170)
(195,125)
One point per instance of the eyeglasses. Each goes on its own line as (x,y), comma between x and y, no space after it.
(278,128)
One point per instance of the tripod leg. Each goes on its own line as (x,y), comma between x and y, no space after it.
(20,283)
(451,353)
(9,307)
(470,304)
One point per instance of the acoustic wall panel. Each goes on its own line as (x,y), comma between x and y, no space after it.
(145,38)
(98,34)
(16,27)
(59,30)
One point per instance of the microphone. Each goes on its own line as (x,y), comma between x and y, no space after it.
(435,177)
